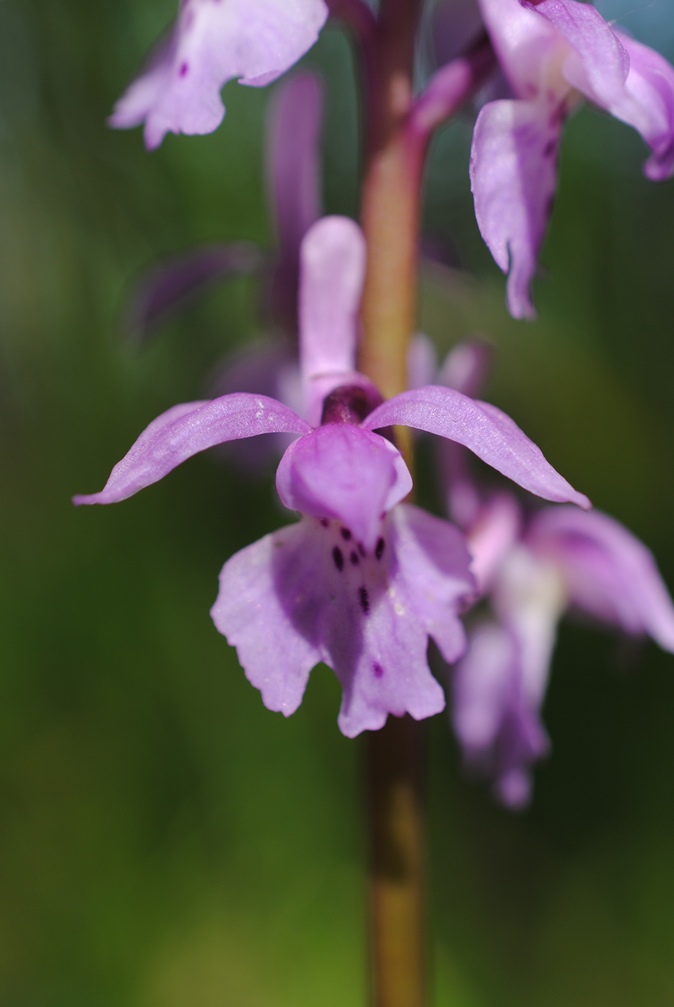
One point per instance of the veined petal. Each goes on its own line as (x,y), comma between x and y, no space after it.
(332,275)
(262,367)
(213,42)
(513,170)
(185,430)
(482,428)
(342,472)
(629,80)
(608,572)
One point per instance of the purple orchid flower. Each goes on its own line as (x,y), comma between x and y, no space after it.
(532,570)
(362,580)
(211,43)
(554,53)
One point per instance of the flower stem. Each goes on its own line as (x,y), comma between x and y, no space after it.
(390,218)
(395,807)
(391,201)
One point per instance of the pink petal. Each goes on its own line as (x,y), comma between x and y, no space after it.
(213,42)
(482,428)
(267,610)
(649,107)
(307,593)
(499,730)
(262,367)
(513,171)
(332,274)
(492,536)
(185,430)
(342,472)
(596,63)
(609,573)
(421,590)
(524,43)
(434,564)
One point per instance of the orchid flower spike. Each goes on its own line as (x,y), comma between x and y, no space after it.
(554,53)
(212,42)
(362,580)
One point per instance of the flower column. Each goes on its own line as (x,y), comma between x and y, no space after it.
(390,218)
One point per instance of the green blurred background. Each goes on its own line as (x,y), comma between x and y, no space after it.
(164,840)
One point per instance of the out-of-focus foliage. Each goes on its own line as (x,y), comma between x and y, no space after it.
(164,839)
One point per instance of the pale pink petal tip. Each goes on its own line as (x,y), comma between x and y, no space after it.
(213,42)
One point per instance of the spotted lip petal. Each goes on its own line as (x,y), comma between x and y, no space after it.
(213,42)
(187,429)
(482,428)
(307,594)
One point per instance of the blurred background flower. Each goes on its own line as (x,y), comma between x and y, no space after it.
(166,840)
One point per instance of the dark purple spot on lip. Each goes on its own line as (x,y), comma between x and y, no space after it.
(550,148)
(184,69)
(345,533)
(377,669)
(364,599)
(379,548)
(324,522)
(338,558)
(354,557)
